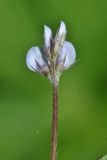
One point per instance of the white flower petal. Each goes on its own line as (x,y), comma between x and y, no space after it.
(61,33)
(62,29)
(34,59)
(47,36)
(60,37)
(68,53)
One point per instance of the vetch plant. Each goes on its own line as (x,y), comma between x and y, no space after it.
(56,56)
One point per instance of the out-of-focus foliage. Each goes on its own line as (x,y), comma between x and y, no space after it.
(103,158)
(25,97)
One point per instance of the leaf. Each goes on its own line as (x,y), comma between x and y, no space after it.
(103,158)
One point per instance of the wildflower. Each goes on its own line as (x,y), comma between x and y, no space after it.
(56,55)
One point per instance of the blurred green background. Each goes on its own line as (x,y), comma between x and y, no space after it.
(26,97)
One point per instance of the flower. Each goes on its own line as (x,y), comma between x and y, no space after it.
(56,55)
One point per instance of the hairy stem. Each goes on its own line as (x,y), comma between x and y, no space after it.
(54,122)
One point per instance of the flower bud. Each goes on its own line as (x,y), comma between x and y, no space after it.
(60,37)
(47,39)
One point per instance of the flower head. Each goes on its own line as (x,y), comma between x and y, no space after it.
(56,56)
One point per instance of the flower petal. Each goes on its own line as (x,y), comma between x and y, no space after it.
(47,37)
(34,59)
(60,37)
(67,55)
(62,29)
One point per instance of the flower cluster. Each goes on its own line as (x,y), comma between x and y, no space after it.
(56,55)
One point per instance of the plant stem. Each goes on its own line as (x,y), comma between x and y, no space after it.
(54,122)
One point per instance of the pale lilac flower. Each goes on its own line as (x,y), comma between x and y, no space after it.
(56,55)
(51,60)
(68,52)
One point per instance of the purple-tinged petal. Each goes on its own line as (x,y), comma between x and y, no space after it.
(67,55)
(47,37)
(34,59)
(60,37)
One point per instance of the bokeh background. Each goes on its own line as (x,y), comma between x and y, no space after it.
(26,97)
